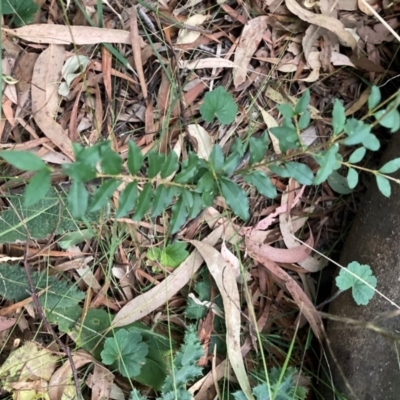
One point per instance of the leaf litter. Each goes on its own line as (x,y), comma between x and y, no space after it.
(129,88)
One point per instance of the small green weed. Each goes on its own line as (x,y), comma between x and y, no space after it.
(22,11)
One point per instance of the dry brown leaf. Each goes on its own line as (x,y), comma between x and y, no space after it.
(64,35)
(323,21)
(186,36)
(44,89)
(100,382)
(160,294)
(6,323)
(224,277)
(203,140)
(250,39)
(206,63)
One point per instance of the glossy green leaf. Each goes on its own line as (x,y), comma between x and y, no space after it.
(374,97)
(262,183)
(300,172)
(103,194)
(383,185)
(111,162)
(219,103)
(156,162)
(352,178)
(327,162)
(127,199)
(37,187)
(216,158)
(304,120)
(171,165)
(80,171)
(135,158)
(357,131)
(390,167)
(179,215)
(371,142)
(350,278)
(205,183)
(23,160)
(189,169)
(143,202)
(235,197)
(78,199)
(258,148)
(303,102)
(163,196)
(389,118)
(339,183)
(287,138)
(338,117)
(357,155)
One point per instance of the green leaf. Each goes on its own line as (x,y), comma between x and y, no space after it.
(127,199)
(287,137)
(262,183)
(216,158)
(170,166)
(383,185)
(279,170)
(111,162)
(205,183)
(24,10)
(286,110)
(304,120)
(187,198)
(179,215)
(80,171)
(390,167)
(231,163)
(78,199)
(74,238)
(371,142)
(163,196)
(174,254)
(194,310)
(143,202)
(339,183)
(197,205)
(327,162)
(352,178)
(37,187)
(23,160)
(303,102)
(389,119)
(239,147)
(338,117)
(135,158)
(258,147)
(300,172)
(357,155)
(235,197)
(374,97)
(189,169)
(219,103)
(103,194)
(156,162)
(362,293)
(126,351)
(154,254)
(356,131)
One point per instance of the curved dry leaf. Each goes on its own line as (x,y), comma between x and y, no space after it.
(270,121)
(206,63)
(186,36)
(62,34)
(224,277)
(6,323)
(203,140)
(324,21)
(101,382)
(44,89)
(338,59)
(250,39)
(144,304)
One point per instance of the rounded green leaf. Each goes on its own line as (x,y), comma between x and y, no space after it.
(103,194)
(390,167)
(219,103)
(356,131)
(339,183)
(304,120)
(78,198)
(127,199)
(37,187)
(338,117)
(235,197)
(371,142)
(300,172)
(23,160)
(143,202)
(303,103)
(327,162)
(389,119)
(357,155)
(352,178)
(135,158)
(286,110)
(383,185)
(374,97)
(262,183)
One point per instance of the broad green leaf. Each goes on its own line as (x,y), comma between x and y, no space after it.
(356,131)
(339,183)
(235,197)
(219,103)
(74,238)
(304,120)
(174,254)
(352,178)
(156,162)
(239,147)
(216,158)
(390,167)
(371,142)
(362,293)
(194,310)
(179,215)
(80,171)
(208,197)
(135,158)
(23,160)
(374,97)
(338,117)
(262,183)
(143,202)
(78,199)
(111,162)
(383,185)
(90,155)
(327,162)
(279,170)
(154,254)
(389,118)
(258,147)
(171,165)
(24,11)
(103,194)
(37,187)
(163,196)
(286,110)
(357,155)
(300,172)
(197,205)
(231,163)
(127,199)
(187,198)
(287,137)
(125,351)
(189,169)
(205,183)
(303,102)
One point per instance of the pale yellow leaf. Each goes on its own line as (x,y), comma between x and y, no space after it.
(203,139)
(186,36)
